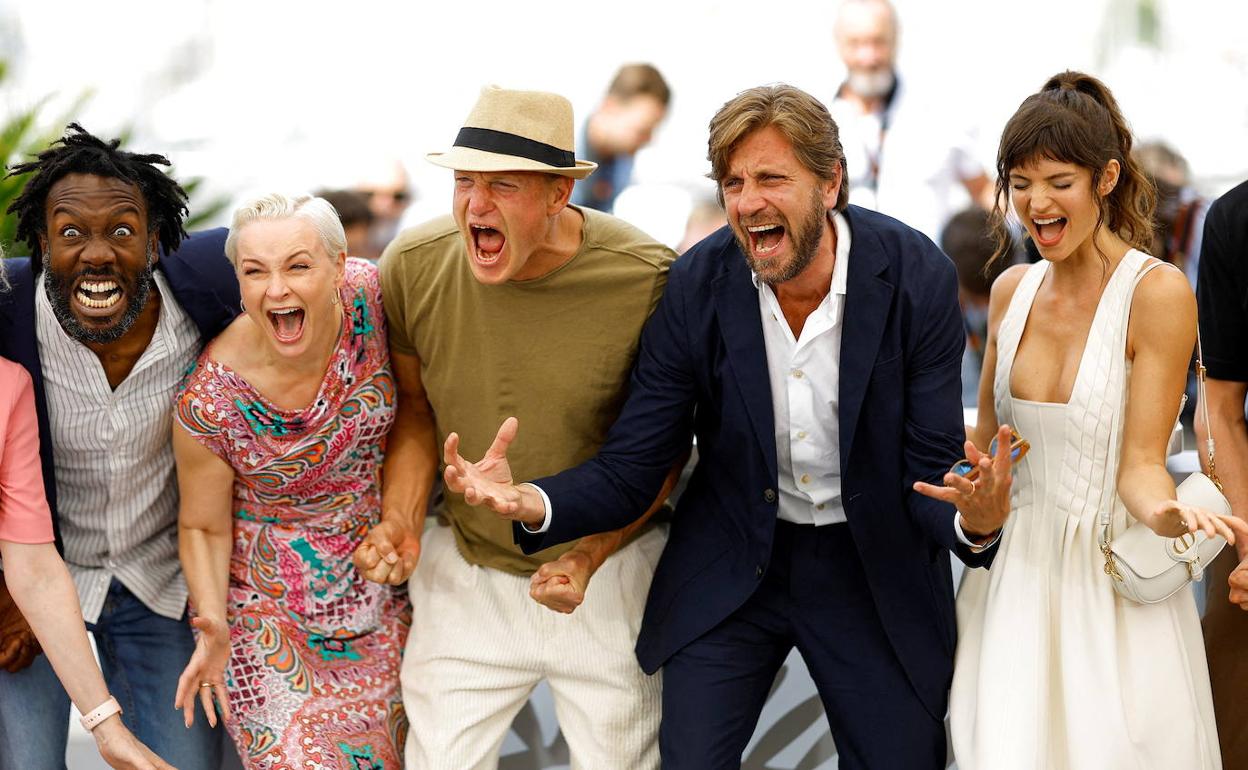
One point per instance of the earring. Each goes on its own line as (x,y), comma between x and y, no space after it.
(241,306)
(337,298)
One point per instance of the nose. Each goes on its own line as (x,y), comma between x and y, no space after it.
(276,289)
(98,252)
(479,202)
(751,199)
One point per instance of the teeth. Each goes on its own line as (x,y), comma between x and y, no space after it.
(762,228)
(1048,221)
(98,303)
(285,311)
(99,286)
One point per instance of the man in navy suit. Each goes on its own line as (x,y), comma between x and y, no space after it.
(107,316)
(814,349)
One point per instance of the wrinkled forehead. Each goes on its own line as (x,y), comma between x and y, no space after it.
(94,194)
(859,21)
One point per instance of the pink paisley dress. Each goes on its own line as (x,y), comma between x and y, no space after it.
(313,676)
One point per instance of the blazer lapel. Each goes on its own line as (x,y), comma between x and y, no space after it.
(868,297)
(736,306)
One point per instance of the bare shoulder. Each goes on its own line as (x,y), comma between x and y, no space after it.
(1003,290)
(233,345)
(1164,284)
(1163,310)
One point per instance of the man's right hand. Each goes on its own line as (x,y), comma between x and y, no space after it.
(488,481)
(18,645)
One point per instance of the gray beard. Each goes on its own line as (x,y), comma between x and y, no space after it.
(803,249)
(136,299)
(871,85)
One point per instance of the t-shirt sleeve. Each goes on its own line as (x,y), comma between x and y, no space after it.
(1222,294)
(393,269)
(24,513)
(197,410)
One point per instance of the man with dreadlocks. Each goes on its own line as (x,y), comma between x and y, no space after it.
(110,310)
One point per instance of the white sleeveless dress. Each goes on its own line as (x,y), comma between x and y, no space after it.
(1054,671)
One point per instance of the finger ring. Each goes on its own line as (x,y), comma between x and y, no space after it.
(205,684)
(974,489)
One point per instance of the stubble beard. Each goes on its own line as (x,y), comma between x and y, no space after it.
(805,241)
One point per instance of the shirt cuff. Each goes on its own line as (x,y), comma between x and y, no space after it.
(545,504)
(957,530)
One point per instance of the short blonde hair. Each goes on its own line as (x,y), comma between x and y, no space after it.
(275,206)
(800,117)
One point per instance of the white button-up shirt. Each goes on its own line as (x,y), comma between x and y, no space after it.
(805,374)
(116,489)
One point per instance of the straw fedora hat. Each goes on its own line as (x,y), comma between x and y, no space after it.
(516,131)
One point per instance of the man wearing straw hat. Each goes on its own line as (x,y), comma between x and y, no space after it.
(518,304)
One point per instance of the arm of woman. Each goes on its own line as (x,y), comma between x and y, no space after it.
(205,542)
(1161,336)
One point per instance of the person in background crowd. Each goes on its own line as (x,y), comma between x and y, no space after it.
(813,348)
(355,215)
(384,183)
(967,240)
(1086,357)
(107,315)
(279,438)
(636,103)
(1181,210)
(1220,292)
(518,303)
(40,584)
(900,161)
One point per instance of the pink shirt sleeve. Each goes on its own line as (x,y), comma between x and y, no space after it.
(24,513)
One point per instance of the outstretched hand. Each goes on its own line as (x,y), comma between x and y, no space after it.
(1172,518)
(489,482)
(1239,585)
(984,503)
(121,750)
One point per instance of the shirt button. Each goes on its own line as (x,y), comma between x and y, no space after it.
(801,434)
(111,564)
(805,478)
(797,373)
(769,495)
(758,572)
(820,507)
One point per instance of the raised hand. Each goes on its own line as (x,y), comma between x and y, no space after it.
(204,675)
(488,481)
(560,584)
(121,750)
(984,503)
(388,553)
(1239,585)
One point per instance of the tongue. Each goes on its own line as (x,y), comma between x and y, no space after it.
(289,324)
(490,241)
(1050,231)
(768,238)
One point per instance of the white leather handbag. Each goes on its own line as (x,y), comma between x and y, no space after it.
(1148,568)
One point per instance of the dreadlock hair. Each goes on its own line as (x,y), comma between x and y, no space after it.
(78,152)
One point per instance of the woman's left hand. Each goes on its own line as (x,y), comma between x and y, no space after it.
(1171,518)
(984,503)
(204,675)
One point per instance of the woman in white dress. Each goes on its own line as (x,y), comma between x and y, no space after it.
(1086,357)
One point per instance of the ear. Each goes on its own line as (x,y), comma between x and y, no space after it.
(153,245)
(1109,178)
(831,190)
(560,194)
(43,243)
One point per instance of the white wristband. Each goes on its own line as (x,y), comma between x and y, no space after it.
(101,712)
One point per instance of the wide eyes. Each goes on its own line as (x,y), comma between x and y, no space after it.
(123,231)
(70,232)
(120,231)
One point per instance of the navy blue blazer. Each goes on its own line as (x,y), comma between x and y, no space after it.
(702,369)
(202,281)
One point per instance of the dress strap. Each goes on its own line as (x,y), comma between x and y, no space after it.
(1013,322)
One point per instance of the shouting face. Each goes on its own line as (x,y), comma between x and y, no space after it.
(98,252)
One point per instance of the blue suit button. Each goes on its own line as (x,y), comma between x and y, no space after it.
(758,572)
(769,495)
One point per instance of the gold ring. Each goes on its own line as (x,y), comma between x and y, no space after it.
(205,684)
(974,489)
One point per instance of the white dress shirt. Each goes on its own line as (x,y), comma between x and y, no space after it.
(805,374)
(116,489)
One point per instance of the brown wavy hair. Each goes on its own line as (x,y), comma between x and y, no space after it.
(803,120)
(1075,119)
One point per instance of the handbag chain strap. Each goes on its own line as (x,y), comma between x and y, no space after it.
(1204,409)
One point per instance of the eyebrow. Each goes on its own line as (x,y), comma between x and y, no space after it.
(69,207)
(288,258)
(1058,175)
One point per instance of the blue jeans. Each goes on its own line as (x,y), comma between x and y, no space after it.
(142,654)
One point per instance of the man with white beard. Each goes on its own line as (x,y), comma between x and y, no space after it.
(905,158)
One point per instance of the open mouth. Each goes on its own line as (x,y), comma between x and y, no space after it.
(287,323)
(765,239)
(487,244)
(1049,230)
(102,295)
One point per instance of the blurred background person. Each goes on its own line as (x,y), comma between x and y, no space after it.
(968,241)
(278,436)
(1221,293)
(905,157)
(356,217)
(635,104)
(385,184)
(1181,209)
(706,217)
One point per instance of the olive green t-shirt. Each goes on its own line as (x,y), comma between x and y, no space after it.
(554,351)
